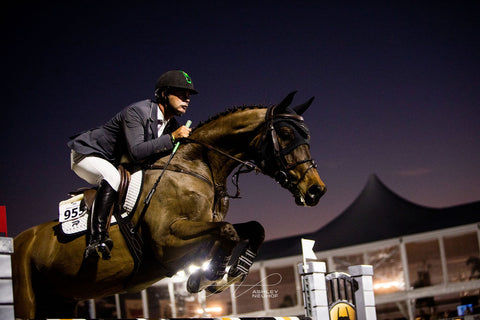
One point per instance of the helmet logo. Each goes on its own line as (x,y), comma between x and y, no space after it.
(187,77)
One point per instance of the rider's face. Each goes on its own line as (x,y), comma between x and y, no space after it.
(178,101)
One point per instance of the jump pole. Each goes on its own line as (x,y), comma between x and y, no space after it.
(314,288)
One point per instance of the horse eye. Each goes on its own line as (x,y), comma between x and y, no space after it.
(286,133)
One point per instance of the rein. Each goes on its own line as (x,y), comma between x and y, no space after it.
(235,177)
(247,164)
(250,167)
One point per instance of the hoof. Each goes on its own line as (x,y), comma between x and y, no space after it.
(221,285)
(196,282)
(214,288)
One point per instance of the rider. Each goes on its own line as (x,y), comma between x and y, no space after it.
(144,130)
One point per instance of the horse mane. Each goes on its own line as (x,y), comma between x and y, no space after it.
(227,112)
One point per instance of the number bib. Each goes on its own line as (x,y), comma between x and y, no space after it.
(70,211)
(71,216)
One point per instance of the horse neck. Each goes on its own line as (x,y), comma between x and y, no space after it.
(231,133)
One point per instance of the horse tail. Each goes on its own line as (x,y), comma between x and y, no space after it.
(24,296)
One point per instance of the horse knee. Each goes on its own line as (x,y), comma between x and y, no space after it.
(228,232)
(252,231)
(258,229)
(256,241)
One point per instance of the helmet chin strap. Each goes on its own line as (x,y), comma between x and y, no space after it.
(162,98)
(158,95)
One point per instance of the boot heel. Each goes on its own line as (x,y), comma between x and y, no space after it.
(91,252)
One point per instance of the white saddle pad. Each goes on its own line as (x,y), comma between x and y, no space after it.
(74,219)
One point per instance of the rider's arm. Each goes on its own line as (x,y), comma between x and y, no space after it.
(140,139)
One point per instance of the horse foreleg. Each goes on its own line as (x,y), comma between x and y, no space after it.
(187,229)
(215,270)
(254,234)
(225,239)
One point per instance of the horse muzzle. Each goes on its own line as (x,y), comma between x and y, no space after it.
(311,197)
(314,194)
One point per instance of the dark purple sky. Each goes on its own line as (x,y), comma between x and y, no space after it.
(396,87)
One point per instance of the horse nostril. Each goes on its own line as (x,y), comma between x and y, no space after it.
(314,193)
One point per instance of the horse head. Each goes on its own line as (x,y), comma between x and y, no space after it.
(283,152)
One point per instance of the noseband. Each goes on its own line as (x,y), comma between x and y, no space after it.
(281,171)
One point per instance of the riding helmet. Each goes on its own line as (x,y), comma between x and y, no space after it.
(175,79)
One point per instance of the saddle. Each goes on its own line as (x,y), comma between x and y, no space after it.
(74,212)
(89,194)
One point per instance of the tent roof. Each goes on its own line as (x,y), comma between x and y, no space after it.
(376,214)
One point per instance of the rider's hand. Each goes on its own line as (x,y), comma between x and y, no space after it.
(182,132)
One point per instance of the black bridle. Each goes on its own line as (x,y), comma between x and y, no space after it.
(272,162)
(277,166)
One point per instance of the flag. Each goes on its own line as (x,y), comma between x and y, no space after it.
(307,249)
(3,221)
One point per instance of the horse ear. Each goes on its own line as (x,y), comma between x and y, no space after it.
(285,102)
(303,107)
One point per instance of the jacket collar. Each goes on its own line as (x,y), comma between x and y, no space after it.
(154,109)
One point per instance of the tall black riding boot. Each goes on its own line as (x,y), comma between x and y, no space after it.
(99,241)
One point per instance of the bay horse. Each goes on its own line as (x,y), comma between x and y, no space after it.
(184,223)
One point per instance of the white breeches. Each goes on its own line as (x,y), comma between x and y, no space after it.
(94,169)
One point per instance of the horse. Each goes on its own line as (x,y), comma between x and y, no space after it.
(184,222)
